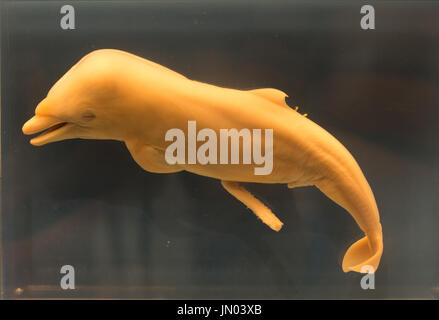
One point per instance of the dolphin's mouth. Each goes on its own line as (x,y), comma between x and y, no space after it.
(50,129)
(53,128)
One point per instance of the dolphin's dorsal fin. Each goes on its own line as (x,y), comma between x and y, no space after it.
(273,95)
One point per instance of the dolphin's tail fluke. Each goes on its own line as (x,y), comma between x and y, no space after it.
(360,256)
(348,187)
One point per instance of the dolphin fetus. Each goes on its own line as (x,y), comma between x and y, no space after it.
(111,94)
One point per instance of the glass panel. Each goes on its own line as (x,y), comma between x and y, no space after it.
(129,233)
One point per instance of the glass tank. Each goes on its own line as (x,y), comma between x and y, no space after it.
(98,206)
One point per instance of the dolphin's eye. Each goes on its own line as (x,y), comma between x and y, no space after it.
(88,115)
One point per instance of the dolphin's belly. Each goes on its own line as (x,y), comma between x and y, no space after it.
(287,164)
(242,173)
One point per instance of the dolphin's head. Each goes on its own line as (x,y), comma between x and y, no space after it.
(85,103)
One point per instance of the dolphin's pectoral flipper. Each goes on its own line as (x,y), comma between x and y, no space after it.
(150,158)
(264,213)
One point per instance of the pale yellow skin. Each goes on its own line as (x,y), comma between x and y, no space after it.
(111,94)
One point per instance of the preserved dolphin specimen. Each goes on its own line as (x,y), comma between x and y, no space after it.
(111,94)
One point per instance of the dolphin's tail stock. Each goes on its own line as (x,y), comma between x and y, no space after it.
(348,187)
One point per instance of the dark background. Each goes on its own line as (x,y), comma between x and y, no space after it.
(130,233)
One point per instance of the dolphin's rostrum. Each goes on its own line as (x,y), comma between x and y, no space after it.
(111,94)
